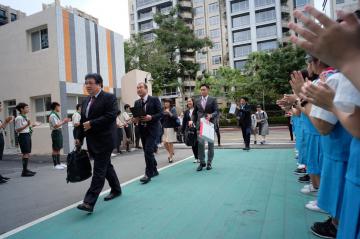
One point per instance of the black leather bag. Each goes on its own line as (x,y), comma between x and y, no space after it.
(78,166)
(190,136)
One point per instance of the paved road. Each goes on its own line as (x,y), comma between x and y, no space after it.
(23,200)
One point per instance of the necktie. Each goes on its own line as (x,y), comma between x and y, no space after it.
(143,103)
(203,102)
(89,106)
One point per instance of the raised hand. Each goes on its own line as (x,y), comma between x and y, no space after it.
(336,44)
(321,95)
(296,82)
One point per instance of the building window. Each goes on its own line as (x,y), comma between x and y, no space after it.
(241,51)
(13,17)
(215,71)
(198,1)
(148,37)
(2,14)
(165,10)
(239,6)
(300,3)
(132,27)
(39,40)
(200,32)
(214,20)
(239,65)
(266,31)
(242,36)
(215,33)
(146,14)
(132,17)
(199,11)
(267,15)
(200,56)
(216,46)
(340,1)
(267,45)
(42,109)
(199,21)
(216,60)
(146,25)
(259,3)
(240,21)
(213,7)
(202,67)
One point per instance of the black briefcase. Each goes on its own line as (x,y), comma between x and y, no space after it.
(190,136)
(78,166)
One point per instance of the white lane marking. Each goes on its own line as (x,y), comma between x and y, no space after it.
(44,218)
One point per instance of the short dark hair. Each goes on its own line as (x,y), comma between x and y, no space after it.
(126,106)
(78,106)
(258,106)
(245,98)
(97,77)
(144,84)
(119,112)
(54,105)
(21,106)
(206,85)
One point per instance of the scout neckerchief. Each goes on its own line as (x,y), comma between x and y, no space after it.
(30,128)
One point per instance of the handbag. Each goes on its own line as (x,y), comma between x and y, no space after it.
(78,166)
(190,136)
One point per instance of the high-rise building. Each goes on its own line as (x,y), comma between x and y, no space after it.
(210,21)
(45,57)
(8,15)
(331,6)
(256,25)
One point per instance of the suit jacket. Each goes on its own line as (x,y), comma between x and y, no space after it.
(210,108)
(244,116)
(186,120)
(153,108)
(102,116)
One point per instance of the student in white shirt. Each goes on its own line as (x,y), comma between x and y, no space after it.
(56,124)
(2,143)
(76,117)
(24,128)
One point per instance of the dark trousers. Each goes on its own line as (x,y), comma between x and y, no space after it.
(246,132)
(137,136)
(103,169)
(2,144)
(217,130)
(195,150)
(291,132)
(148,141)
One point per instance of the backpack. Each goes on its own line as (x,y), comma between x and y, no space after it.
(78,166)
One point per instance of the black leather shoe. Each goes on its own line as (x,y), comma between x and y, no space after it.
(27,174)
(208,167)
(4,178)
(156,173)
(111,196)
(31,172)
(2,181)
(246,148)
(201,166)
(86,207)
(145,179)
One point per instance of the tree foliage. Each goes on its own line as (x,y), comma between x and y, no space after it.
(166,57)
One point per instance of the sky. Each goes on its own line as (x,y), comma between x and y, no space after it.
(112,14)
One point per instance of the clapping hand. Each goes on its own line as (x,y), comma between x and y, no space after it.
(66,120)
(321,95)
(9,119)
(146,118)
(336,44)
(296,82)
(87,125)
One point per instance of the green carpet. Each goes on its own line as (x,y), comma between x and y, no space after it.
(246,195)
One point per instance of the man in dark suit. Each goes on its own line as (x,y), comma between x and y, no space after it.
(98,125)
(243,115)
(149,127)
(205,107)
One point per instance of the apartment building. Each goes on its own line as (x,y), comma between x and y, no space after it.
(45,57)
(8,15)
(331,6)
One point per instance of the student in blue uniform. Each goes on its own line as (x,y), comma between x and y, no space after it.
(335,144)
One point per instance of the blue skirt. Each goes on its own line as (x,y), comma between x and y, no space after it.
(332,184)
(313,154)
(349,227)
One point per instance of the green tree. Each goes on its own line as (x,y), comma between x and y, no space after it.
(268,73)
